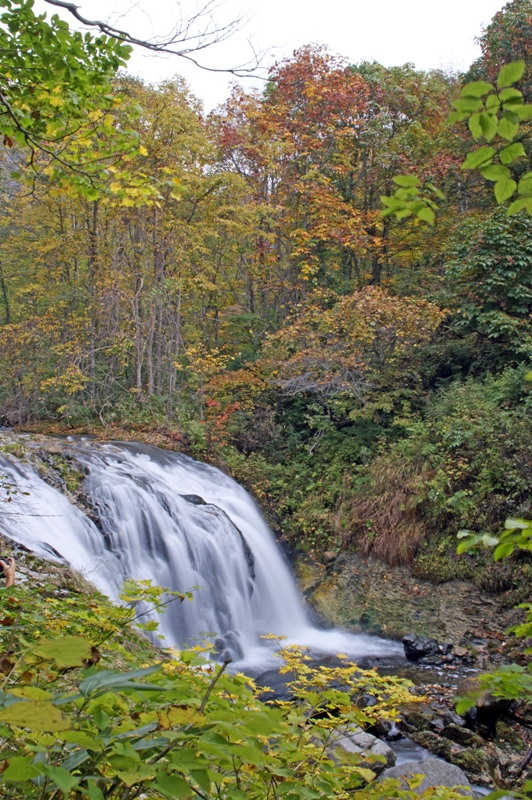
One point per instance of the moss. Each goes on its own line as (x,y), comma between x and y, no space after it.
(15,449)
(469,761)
(507,735)
(439,568)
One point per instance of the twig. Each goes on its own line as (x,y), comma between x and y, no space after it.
(525,762)
(213,684)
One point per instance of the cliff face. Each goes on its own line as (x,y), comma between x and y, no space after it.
(365,594)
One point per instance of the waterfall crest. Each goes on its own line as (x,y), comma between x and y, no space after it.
(162,516)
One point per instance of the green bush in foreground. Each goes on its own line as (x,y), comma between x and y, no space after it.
(181,727)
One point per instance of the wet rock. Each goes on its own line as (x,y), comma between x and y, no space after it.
(432,661)
(417,647)
(273,685)
(195,499)
(433,743)
(375,754)
(436,772)
(366,701)
(459,651)
(462,736)
(474,763)
(452,718)
(417,720)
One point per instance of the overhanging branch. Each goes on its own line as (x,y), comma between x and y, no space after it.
(189,35)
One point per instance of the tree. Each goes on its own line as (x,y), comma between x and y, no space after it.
(57,95)
(507,38)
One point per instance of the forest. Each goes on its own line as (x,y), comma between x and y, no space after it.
(266,289)
(230,287)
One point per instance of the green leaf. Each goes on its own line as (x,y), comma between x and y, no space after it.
(475,126)
(456,116)
(495,172)
(406,181)
(202,779)
(69,651)
(476,89)
(37,715)
(511,73)
(525,185)
(512,153)
(172,786)
(464,704)
(110,679)
(81,738)
(492,102)
(523,112)
(488,125)
(506,128)
(479,158)
(61,777)
(519,205)
(427,215)
(94,792)
(407,194)
(504,189)
(503,551)
(468,104)
(392,202)
(437,192)
(20,769)
(509,95)
(489,540)
(143,772)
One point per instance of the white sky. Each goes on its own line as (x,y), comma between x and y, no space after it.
(429,33)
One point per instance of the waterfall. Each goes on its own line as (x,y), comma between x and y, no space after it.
(162,516)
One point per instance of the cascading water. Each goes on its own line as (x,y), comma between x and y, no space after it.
(165,517)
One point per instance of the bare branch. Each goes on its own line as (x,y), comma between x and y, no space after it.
(190,34)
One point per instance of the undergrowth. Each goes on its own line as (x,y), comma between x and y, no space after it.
(91,710)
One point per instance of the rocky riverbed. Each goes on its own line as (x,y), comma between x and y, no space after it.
(452,632)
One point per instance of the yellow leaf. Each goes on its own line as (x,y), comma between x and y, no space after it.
(37,715)
(178,715)
(115,186)
(143,151)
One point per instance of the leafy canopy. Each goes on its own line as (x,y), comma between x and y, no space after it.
(57,97)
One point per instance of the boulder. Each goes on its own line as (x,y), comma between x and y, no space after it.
(417,647)
(436,773)
(355,740)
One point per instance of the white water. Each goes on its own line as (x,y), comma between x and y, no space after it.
(149,530)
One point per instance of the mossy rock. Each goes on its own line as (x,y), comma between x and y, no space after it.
(469,761)
(433,743)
